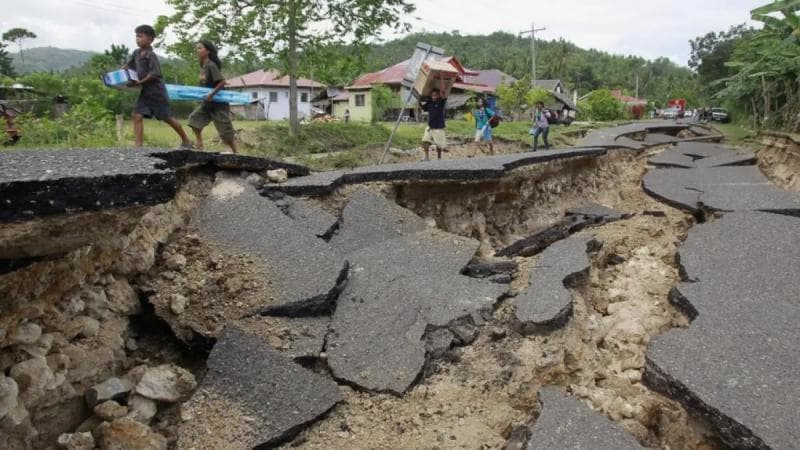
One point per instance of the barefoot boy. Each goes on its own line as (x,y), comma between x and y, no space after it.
(153,101)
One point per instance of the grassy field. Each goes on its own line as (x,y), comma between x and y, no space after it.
(325,145)
(735,133)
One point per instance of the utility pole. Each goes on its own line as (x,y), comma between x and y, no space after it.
(637,86)
(533,31)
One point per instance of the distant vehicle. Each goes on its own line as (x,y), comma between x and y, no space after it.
(720,115)
(671,113)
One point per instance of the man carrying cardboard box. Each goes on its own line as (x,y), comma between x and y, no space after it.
(434,133)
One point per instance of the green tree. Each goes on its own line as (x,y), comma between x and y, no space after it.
(6,63)
(601,106)
(764,85)
(283,30)
(712,51)
(110,59)
(519,96)
(383,99)
(17,35)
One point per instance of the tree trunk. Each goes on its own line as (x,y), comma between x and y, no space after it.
(294,121)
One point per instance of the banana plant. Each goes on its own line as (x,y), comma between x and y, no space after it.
(787,27)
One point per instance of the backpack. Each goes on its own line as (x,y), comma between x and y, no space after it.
(494,121)
(551,117)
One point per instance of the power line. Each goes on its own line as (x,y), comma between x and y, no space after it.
(118,9)
(420,19)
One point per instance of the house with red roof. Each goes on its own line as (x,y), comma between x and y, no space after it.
(269,90)
(627,99)
(357,97)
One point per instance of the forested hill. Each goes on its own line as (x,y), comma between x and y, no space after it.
(49,59)
(586,69)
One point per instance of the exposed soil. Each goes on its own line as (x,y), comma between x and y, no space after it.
(480,394)
(779,159)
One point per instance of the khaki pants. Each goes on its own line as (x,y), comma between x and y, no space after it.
(435,137)
(219,114)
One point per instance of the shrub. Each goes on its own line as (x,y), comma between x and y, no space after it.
(602,106)
(85,125)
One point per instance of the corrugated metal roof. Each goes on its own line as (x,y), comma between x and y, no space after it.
(268,78)
(491,77)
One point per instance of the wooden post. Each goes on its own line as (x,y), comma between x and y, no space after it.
(120,128)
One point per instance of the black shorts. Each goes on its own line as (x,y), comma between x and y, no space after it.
(152,108)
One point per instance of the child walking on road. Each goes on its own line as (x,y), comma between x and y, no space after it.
(153,100)
(210,111)
(483,131)
(541,125)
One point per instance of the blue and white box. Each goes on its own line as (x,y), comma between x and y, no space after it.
(119,78)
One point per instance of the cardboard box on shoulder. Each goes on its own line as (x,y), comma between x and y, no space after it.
(119,78)
(434,74)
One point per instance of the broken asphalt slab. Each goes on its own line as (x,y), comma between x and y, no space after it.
(737,362)
(546,304)
(318,221)
(278,396)
(396,291)
(369,218)
(733,188)
(566,422)
(474,169)
(659,138)
(224,161)
(599,212)
(306,272)
(617,136)
(698,155)
(41,183)
(576,220)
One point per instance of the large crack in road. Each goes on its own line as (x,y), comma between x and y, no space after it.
(485,395)
(409,325)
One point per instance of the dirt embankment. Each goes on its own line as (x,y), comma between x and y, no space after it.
(779,159)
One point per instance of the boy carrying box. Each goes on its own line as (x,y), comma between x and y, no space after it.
(153,100)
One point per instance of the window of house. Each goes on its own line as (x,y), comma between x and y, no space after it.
(360,100)
(254,94)
(273,97)
(304,97)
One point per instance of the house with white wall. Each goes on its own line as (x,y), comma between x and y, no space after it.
(270,95)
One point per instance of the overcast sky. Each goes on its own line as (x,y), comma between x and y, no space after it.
(648,28)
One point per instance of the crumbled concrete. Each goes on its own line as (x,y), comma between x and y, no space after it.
(128,434)
(76,441)
(166,383)
(111,389)
(110,410)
